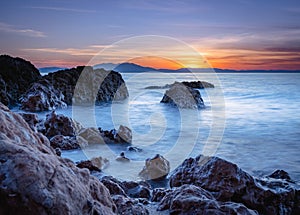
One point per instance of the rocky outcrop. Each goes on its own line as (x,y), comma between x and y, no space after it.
(42,96)
(183,97)
(189,199)
(67,142)
(155,168)
(95,164)
(227,182)
(191,84)
(34,180)
(80,85)
(128,206)
(16,75)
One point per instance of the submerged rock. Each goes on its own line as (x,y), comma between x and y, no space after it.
(34,180)
(227,182)
(155,168)
(183,97)
(16,75)
(192,84)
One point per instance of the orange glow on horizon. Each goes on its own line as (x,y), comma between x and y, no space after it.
(156,62)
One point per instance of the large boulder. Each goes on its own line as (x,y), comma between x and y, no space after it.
(227,182)
(80,85)
(155,168)
(183,97)
(189,199)
(67,142)
(34,180)
(16,75)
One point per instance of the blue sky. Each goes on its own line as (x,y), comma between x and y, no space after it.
(232,34)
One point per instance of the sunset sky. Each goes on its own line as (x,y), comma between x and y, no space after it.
(233,34)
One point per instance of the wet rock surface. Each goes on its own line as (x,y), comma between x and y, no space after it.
(155,168)
(64,142)
(95,164)
(191,84)
(81,85)
(227,182)
(16,75)
(34,180)
(183,97)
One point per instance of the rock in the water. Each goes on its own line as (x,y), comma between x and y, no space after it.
(124,134)
(134,149)
(189,199)
(280,174)
(81,85)
(198,84)
(91,135)
(16,75)
(155,168)
(42,96)
(122,158)
(227,182)
(66,142)
(58,124)
(34,180)
(95,164)
(183,97)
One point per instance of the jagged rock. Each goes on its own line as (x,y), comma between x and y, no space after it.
(81,85)
(124,134)
(34,180)
(42,96)
(113,185)
(134,149)
(58,152)
(58,124)
(227,182)
(95,164)
(280,174)
(183,97)
(155,168)
(189,199)
(16,75)
(127,206)
(66,142)
(31,119)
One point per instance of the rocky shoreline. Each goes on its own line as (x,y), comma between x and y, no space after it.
(35,180)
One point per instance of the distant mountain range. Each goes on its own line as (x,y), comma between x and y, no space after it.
(135,68)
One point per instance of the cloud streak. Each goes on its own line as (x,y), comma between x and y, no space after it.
(62,9)
(21,31)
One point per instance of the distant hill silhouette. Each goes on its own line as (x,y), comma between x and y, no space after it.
(50,69)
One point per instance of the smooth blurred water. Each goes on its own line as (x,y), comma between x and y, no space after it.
(259,113)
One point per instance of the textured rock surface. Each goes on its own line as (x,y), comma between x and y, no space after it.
(95,164)
(129,206)
(42,96)
(34,180)
(227,182)
(189,199)
(192,84)
(66,142)
(183,97)
(16,75)
(31,119)
(58,89)
(124,134)
(155,168)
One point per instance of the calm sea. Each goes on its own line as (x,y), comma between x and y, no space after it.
(250,119)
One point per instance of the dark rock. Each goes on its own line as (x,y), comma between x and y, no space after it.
(189,199)
(129,206)
(156,168)
(57,124)
(81,85)
(34,180)
(183,97)
(64,142)
(191,84)
(58,152)
(280,174)
(227,182)
(95,164)
(122,158)
(113,185)
(31,119)
(134,149)
(42,96)
(16,75)
(159,193)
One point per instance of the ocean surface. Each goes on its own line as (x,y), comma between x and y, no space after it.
(250,119)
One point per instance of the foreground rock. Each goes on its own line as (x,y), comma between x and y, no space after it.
(80,86)
(192,84)
(228,183)
(16,75)
(34,180)
(155,168)
(183,97)
(189,199)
